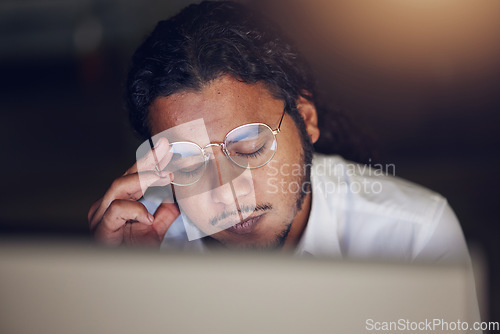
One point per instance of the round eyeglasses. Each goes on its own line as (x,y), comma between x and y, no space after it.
(248,146)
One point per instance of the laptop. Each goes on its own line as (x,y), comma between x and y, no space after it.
(77,288)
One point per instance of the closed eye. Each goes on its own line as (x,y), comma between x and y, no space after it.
(191,173)
(252,154)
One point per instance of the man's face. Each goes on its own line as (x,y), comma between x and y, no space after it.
(225,104)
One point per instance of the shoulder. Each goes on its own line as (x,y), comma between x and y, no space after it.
(381,215)
(377,188)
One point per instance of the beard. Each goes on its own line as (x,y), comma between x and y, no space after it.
(280,238)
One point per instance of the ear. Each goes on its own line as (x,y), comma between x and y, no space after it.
(307,110)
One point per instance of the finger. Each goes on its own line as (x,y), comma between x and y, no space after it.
(118,213)
(93,209)
(130,187)
(165,215)
(159,156)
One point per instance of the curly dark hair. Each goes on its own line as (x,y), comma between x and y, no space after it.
(215,38)
(206,41)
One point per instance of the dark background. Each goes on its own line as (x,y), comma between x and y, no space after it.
(420,79)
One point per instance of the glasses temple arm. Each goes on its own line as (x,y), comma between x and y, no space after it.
(281,120)
(157,164)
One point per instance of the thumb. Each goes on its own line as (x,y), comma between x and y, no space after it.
(164,217)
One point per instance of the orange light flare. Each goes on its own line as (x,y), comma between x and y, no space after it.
(437,37)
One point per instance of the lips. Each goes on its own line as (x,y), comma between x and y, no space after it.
(245,227)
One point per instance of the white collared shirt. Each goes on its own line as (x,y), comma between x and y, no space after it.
(359,213)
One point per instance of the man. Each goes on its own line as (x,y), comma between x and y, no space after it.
(219,85)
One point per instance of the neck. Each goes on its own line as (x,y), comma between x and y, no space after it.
(299,224)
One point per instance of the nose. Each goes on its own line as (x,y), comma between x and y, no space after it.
(231,184)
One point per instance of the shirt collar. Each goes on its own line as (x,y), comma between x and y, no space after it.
(320,237)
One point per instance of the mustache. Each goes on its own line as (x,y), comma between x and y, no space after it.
(243,209)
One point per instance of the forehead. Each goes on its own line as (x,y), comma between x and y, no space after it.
(222,104)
